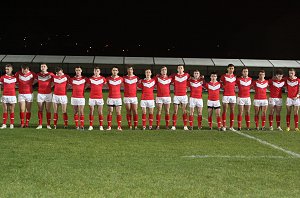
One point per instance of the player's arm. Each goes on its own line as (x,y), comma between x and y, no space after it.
(35,78)
(87,83)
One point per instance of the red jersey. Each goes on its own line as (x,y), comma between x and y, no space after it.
(276,87)
(180,82)
(213,90)
(228,82)
(292,86)
(195,88)
(60,84)
(260,88)
(44,82)
(147,87)
(163,85)
(25,82)
(114,86)
(96,85)
(244,86)
(8,83)
(130,84)
(78,85)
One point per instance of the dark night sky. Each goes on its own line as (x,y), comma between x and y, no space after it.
(216,30)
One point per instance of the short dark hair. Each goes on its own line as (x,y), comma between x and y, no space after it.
(230,65)
(262,71)
(163,67)
(115,67)
(130,66)
(8,65)
(292,69)
(57,69)
(97,68)
(244,68)
(24,66)
(279,72)
(78,67)
(213,73)
(147,69)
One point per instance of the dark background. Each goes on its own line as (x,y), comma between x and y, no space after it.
(264,30)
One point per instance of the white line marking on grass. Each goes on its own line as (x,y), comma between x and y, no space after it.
(237,156)
(294,154)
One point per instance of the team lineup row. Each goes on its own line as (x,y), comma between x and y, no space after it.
(60,82)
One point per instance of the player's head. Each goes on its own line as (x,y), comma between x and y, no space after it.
(78,70)
(59,71)
(163,70)
(25,68)
(196,73)
(213,76)
(115,71)
(8,69)
(97,71)
(292,72)
(180,69)
(148,73)
(279,74)
(245,72)
(44,67)
(130,70)
(261,74)
(230,68)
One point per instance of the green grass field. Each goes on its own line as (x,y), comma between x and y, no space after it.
(71,163)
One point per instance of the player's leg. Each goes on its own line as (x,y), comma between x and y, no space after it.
(224,113)
(288,116)
(151,111)
(191,117)
(231,107)
(81,116)
(119,117)
(100,114)
(134,110)
(218,115)
(296,117)
(158,114)
(11,108)
(247,115)
(109,116)
(240,116)
(256,116)
(40,114)
(91,116)
(55,114)
(28,112)
(76,116)
(199,109)
(263,116)
(65,114)
(4,115)
(22,106)
(184,116)
(278,111)
(174,118)
(144,117)
(271,114)
(128,114)
(167,114)
(209,113)
(48,113)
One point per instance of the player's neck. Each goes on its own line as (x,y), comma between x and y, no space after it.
(261,79)
(44,72)
(78,76)
(130,75)
(213,81)
(96,76)
(9,74)
(245,76)
(180,73)
(293,77)
(229,74)
(164,75)
(148,78)
(114,76)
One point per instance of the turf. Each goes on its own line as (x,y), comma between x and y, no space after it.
(162,163)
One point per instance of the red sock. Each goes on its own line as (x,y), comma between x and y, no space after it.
(28,115)
(271,120)
(150,120)
(219,121)
(128,117)
(40,116)
(256,121)
(224,119)
(199,121)
(210,121)
(76,119)
(191,120)
(65,117)
(288,120)
(231,119)
(100,119)
(119,120)
(296,119)
(109,119)
(263,121)
(82,120)
(239,121)
(48,116)
(278,120)
(55,118)
(174,119)
(91,117)
(167,119)
(12,118)
(158,120)
(4,118)
(22,116)
(144,120)
(247,118)
(185,120)
(135,120)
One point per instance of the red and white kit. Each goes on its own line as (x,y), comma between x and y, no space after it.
(96,85)
(130,87)
(276,87)
(163,89)
(260,97)
(228,82)
(25,82)
(114,94)
(78,86)
(44,86)
(292,86)
(60,89)
(244,86)
(195,99)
